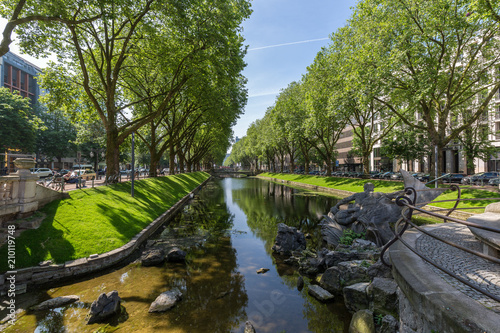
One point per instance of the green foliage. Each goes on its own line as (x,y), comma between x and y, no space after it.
(348,236)
(18,125)
(378,319)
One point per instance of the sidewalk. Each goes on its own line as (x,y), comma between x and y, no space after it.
(98,182)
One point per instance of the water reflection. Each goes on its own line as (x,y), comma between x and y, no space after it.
(221,289)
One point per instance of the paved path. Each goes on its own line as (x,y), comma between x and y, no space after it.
(479,271)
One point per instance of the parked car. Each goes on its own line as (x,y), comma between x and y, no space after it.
(85,174)
(42,172)
(494,181)
(424,177)
(396,176)
(453,178)
(386,175)
(484,178)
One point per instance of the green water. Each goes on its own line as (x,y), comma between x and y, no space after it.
(238,217)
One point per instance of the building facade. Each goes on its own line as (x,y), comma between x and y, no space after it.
(19,76)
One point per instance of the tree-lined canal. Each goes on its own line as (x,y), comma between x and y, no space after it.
(221,289)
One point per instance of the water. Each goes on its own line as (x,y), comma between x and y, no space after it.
(221,289)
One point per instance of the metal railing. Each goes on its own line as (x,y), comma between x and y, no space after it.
(409,201)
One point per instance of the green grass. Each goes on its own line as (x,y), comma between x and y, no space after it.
(356,185)
(98,220)
(345,184)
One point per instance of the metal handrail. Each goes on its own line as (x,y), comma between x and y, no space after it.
(408,201)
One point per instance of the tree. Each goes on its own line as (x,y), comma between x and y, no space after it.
(475,141)
(18,125)
(431,60)
(405,143)
(28,12)
(324,124)
(58,138)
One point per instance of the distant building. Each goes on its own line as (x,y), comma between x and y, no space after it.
(19,75)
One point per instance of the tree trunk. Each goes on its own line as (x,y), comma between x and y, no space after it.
(112,152)
(366,163)
(171,163)
(328,165)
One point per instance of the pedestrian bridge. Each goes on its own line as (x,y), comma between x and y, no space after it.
(234,173)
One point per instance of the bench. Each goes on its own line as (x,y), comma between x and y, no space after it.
(490,240)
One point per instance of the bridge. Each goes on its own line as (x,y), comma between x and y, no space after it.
(230,172)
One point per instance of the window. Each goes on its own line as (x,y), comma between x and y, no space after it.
(497,131)
(15,82)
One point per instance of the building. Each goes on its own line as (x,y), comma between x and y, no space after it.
(19,76)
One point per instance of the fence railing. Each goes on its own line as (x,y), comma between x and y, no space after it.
(409,201)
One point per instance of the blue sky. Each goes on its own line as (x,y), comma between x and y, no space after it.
(283,38)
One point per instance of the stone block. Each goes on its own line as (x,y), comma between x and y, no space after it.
(356,297)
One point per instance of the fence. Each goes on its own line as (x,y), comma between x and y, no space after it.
(410,208)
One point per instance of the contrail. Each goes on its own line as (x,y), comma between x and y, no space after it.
(285,44)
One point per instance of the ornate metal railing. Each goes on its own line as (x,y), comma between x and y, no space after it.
(409,201)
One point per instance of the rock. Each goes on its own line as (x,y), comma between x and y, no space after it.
(56,302)
(378,269)
(389,325)
(347,273)
(363,245)
(331,281)
(333,258)
(356,297)
(319,293)
(152,257)
(300,283)
(262,270)
(166,300)
(249,327)
(176,255)
(288,239)
(312,266)
(362,322)
(383,293)
(104,307)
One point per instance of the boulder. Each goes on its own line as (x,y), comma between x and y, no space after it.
(300,283)
(378,269)
(312,266)
(389,325)
(319,293)
(383,294)
(356,297)
(152,257)
(104,307)
(176,255)
(362,322)
(347,273)
(333,258)
(363,245)
(166,300)
(56,302)
(249,327)
(288,239)
(331,280)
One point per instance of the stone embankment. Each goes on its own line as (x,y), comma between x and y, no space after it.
(47,272)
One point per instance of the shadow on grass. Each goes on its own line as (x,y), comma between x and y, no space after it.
(35,246)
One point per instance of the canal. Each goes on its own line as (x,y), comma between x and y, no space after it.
(231,225)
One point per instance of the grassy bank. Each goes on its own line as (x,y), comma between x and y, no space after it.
(356,185)
(98,220)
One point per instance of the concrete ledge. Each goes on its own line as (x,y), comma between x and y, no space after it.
(44,274)
(438,306)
